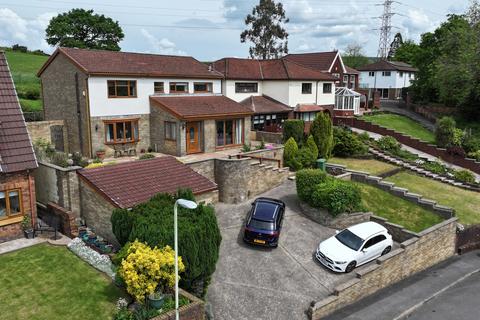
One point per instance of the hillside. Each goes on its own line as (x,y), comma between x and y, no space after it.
(24,67)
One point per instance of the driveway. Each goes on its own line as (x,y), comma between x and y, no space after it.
(259,283)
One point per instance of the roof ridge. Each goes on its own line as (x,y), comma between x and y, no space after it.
(286,69)
(261,69)
(131,52)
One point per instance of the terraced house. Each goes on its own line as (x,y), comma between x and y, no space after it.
(17,160)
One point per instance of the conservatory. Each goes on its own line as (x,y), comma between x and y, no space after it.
(347,100)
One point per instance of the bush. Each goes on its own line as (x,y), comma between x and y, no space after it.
(458,135)
(306,180)
(60,159)
(290,155)
(246,147)
(445,132)
(146,156)
(121,254)
(435,167)
(364,137)
(198,234)
(308,154)
(471,144)
(347,144)
(388,143)
(30,94)
(293,128)
(474,155)
(337,196)
(322,132)
(464,176)
(456,151)
(79,160)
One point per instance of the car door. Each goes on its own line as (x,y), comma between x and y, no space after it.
(372,248)
(365,251)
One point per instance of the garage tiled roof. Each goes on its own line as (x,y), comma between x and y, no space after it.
(128,184)
(102,62)
(16,151)
(200,107)
(265,105)
(274,69)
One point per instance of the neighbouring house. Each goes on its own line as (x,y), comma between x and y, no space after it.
(110,101)
(128,184)
(17,160)
(388,78)
(274,84)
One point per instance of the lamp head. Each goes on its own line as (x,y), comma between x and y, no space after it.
(187,204)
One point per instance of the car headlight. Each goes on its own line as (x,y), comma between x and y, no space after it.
(340,262)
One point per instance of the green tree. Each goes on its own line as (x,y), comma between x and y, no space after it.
(407,52)
(354,56)
(290,155)
(265,29)
(293,128)
(308,154)
(322,132)
(83,29)
(396,43)
(445,132)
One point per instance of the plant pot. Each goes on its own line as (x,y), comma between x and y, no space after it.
(28,233)
(100,155)
(156,301)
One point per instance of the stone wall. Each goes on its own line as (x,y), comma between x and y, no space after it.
(430,247)
(10,228)
(205,167)
(268,137)
(341,221)
(193,311)
(157,133)
(68,225)
(209,136)
(398,232)
(45,130)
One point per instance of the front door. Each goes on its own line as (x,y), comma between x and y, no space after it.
(193,137)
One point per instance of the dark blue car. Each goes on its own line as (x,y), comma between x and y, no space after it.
(264,222)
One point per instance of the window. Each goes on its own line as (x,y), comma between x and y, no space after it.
(178,87)
(202,87)
(352,79)
(10,203)
(122,88)
(373,241)
(307,116)
(246,87)
(401,74)
(306,88)
(121,131)
(158,87)
(386,73)
(327,88)
(336,75)
(345,79)
(383,93)
(170,130)
(371,74)
(229,132)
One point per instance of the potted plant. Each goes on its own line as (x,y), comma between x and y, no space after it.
(156,299)
(100,154)
(27,226)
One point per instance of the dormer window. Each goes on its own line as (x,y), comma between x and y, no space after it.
(202,87)
(178,87)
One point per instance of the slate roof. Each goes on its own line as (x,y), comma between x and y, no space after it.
(16,151)
(383,65)
(274,69)
(102,62)
(200,107)
(265,105)
(128,184)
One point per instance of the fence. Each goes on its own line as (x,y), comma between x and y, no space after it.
(415,143)
(468,239)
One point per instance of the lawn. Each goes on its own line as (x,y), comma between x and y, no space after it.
(45,282)
(371,166)
(402,124)
(397,210)
(466,203)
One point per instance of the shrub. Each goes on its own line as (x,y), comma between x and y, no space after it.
(364,137)
(435,167)
(322,132)
(146,270)
(475,155)
(308,154)
(464,176)
(79,160)
(337,196)
(445,131)
(60,159)
(246,147)
(291,156)
(388,143)
(30,94)
(146,156)
(471,144)
(121,254)
(347,144)
(306,180)
(458,135)
(261,146)
(293,128)
(456,151)
(198,234)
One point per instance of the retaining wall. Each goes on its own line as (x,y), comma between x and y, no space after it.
(269,137)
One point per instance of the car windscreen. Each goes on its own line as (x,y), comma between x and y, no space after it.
(260,224)
(349,239)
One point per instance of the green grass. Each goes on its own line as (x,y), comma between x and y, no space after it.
(31,105)
(44,282)
(466,203)
(402,124)
(397,210)
(371,166)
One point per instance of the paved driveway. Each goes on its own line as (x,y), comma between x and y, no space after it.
(259,283)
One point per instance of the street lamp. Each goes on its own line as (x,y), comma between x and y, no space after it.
(188,205)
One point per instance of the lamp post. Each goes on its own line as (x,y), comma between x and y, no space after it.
(188,205)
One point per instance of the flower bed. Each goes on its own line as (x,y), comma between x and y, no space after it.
(99,261)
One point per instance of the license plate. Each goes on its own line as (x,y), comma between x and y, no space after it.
(259,241)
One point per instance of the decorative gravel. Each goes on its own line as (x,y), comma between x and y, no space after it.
(99,261)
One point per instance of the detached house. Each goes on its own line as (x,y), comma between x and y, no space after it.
(17,160)
(274,88)
(388,78)
(131,102)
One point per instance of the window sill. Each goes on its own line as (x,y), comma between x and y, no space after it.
(121,143)
(121,97)
(15,219)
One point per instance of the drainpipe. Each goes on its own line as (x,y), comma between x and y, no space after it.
(79,115)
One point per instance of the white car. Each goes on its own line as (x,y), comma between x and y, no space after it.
(354,246)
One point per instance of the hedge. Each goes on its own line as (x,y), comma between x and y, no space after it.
(306,180)
(322,132)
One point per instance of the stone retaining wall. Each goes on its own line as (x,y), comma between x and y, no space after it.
(418,253)
(341,221)
(268,137)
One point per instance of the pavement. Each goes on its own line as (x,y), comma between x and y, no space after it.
(258,283)
(446,291)
(22,243)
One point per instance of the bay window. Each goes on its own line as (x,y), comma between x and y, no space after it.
(121,131)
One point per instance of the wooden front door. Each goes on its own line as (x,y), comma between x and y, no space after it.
(193,137)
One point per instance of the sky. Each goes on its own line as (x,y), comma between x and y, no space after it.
(210,29)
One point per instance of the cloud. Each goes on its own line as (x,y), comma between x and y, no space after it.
(14,29)
(162,46)
(416,23)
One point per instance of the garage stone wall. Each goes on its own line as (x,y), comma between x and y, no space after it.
(267,137)
(420,252)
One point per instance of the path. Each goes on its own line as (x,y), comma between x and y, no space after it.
(22,243)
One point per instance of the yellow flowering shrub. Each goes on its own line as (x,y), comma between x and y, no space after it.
(146,269)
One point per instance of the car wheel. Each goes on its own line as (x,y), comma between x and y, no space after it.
(386,250)
(350,267)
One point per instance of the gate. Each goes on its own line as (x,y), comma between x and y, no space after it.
(56,135)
